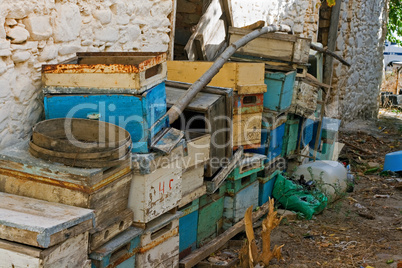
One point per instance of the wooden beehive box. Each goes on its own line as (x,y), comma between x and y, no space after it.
(210,213)
(121,251)
(158,191)
(159,246)
(247,130)
(188,228)
(235,206)
(248,104)
(280,89)
(198,149)
(24,175)
(291,136)
(135,113)
(266,185)
(210,111)
(124,72)
(305,97)
(71,253)
(190,197)
(40,223)
(245,78)
(274,46)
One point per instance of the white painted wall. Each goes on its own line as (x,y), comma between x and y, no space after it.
(35,32)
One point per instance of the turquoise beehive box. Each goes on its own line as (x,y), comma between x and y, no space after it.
(135,113)
(279,90)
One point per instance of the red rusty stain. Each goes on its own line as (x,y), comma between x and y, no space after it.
(106,68)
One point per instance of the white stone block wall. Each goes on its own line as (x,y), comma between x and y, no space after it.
(301,15)
(360,41)
(36,32)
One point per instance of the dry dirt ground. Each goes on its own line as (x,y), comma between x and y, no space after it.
(364,228)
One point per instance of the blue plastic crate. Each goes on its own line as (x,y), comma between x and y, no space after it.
(135,113)
(279,90)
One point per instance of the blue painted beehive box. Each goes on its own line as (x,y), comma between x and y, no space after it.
(210,216)
(118,252)
(235,206)
(266,185)
(279,90)
(135,113)
(188,224)
(273,142)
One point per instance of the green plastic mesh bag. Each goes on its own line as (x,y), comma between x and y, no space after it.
(294,197)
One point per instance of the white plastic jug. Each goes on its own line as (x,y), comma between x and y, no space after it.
(330,177)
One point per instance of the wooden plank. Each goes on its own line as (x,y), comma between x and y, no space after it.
(17,160)
(192,179)
(272,48)
(48,224)
(190,197)
(118,252)
(332,36)
(172,19)
(166,140)
(217,181)
(109,198)
(231,75)
(200,103)
(67,254)
(198,149)
(275,36)
(217,116)
(154,194)
(70,253)
(159,242)
(109,229)
(209,248)
(247,129)
(211,33)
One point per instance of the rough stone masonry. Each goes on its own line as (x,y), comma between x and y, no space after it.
(36,32)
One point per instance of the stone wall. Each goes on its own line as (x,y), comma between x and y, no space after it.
(360,41)
(49,31)
(301,15)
